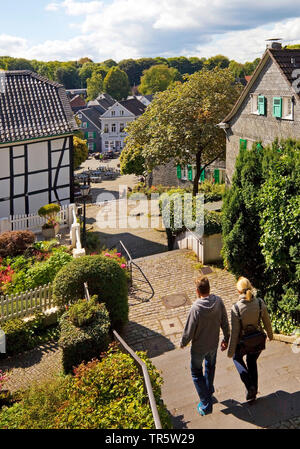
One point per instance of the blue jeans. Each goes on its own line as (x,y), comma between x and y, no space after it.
(204,383)
(248,370)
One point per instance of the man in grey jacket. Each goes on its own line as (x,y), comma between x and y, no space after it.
(206,317)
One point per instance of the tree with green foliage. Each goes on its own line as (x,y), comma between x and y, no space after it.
(116,83)
(157,79)
(132,161)
(181,63)
(180,124)
(279,202)
(67,74)
(86,72)
(109,63)
(217,61)
(241,230)
(80,151)
(94,86)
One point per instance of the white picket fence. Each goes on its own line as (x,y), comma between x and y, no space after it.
(34,222)
(26,303)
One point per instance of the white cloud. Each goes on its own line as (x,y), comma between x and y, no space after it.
(121,29)
(12,45)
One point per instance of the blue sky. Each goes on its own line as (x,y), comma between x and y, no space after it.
(118,29)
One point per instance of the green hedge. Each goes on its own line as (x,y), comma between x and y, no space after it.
(84,343)
(22,336)
(105,278)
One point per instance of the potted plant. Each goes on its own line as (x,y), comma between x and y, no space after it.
(51,227)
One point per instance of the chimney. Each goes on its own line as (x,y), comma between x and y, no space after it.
(274,44)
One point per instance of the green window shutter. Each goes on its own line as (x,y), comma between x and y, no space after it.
(179,171)
(259,147)
(261,105)
(217,176)
(94,146)
(277,107)
(190,173)
(86,135)
(202,176)
(243,144)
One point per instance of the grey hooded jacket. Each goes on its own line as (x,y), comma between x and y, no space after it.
(204,321)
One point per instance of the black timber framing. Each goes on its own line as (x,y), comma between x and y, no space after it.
(52,186)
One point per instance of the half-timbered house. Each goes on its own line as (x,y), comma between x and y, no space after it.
(36,143)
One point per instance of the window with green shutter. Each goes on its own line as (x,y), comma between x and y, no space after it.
(190,173)
(243,144)
(202,176)
(217,176)
(277,107)
(261,104)
(179,171)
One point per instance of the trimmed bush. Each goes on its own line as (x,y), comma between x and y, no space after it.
(83,343)
(105,278)
(17,334)
(13,243)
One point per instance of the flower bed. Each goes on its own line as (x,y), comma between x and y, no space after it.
(37,266)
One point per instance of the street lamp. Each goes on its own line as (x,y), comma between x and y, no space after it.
(85,190)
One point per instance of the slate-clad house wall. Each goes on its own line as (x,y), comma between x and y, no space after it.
(269,107)
(91,127)
(36,144)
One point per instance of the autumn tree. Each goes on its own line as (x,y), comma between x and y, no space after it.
(116,83)
(80,151)
(180,124)
(157,79)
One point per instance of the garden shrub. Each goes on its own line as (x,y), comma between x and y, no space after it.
(17,334)
(85,341)
(105,278)
(110,395)
(13,243)
(37,406)
(25,335)
(102,395)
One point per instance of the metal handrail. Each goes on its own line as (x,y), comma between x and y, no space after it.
(132,263)
(143,369)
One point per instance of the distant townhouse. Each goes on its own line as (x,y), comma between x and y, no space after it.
(115,120)
(77,103)
(36,144)
(71,93)
(269,106)
(102,102)
(90,119)
(145,99)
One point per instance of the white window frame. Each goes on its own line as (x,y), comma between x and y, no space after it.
(106,128)
(84,125)
(113,113)
(90,135)
(106,145)
(113,128)
(122,112)
(254,104)
(122,127)
(285,101)
(184,173)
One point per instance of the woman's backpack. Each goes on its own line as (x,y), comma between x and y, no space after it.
(253,340)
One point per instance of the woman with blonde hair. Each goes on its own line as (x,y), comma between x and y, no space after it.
(246,316)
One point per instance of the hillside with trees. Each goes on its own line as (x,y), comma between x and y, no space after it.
(76,74)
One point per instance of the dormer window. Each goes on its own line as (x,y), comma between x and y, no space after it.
(122,112)
(113,113)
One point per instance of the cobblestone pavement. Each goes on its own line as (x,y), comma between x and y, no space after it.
(153,326)
(38,365)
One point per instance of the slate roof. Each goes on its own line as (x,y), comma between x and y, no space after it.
(287,61)
(33,107)
(93,115)
(133,105)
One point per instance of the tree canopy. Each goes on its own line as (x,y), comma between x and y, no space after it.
(180,123)
(94,86)
(116,83)
(157,79)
